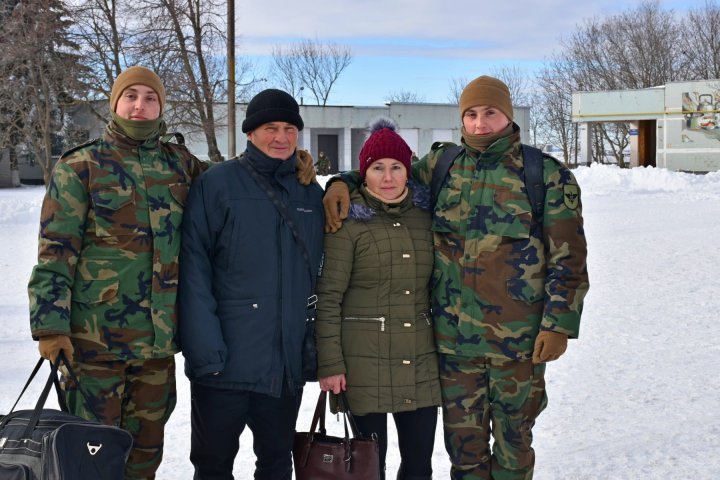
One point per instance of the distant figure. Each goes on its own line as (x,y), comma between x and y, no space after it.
(323,164)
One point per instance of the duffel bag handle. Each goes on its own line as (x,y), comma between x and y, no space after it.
(35,418)
(27,384)
(51,380)
(53,375)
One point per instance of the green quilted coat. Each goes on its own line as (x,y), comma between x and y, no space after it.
(373,306)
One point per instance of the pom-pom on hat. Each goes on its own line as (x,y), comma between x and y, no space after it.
(486,91)
(137,76)
(384,142)
(272,105)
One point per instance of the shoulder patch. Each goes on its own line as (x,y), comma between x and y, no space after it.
(571,195)
(78,147)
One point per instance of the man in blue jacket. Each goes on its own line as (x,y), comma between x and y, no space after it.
(245,282)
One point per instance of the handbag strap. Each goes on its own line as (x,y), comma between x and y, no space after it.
(348,416)
(319,415)
(282,209)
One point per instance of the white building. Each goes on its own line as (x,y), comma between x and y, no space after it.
(675,126)
(340,131)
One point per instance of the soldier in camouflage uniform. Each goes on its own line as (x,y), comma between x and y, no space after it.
(508,288)
(323,164)
(104,288)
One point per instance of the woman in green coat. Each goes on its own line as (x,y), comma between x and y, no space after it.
(374,329)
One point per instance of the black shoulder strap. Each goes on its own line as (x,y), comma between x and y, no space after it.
(283,211)
(179,138)
(441,169)
(534,181)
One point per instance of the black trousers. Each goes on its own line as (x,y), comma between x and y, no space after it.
(416,437)
(218,418)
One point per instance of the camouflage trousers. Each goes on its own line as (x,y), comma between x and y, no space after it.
(484,397)
(135,395)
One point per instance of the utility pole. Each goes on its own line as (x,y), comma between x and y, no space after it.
(231,76)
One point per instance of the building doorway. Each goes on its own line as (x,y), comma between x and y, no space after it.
(328,144)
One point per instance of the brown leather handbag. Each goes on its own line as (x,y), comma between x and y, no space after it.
(318,456)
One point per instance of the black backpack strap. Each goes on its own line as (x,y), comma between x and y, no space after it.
(534,181)
(441,169)
(174,137)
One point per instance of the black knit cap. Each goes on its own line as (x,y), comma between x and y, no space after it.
(272,105)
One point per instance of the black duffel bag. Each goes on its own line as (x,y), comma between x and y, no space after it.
(46,444)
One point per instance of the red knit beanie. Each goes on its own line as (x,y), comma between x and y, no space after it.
(384,142)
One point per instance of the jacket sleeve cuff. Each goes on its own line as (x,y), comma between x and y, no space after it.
(330,370)
(208,369)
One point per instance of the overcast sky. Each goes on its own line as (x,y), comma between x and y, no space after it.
(420,45)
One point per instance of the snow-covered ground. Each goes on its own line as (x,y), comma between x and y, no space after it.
(636,397)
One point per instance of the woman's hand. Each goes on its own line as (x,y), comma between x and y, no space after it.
(334,383)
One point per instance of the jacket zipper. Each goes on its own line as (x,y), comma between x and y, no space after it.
(370,319)
(426,316)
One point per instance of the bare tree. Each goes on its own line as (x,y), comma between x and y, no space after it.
(555,84)
(310,65)
(457,85)
(180,41)
(404,96)
(635,49)
(105,32)
(700,42)
(535,101)
(41,75)
(517,82)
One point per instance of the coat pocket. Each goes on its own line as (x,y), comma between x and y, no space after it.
(361,335)
(512,215)
(529,290)
(114,210)
(179,192)
(95,291)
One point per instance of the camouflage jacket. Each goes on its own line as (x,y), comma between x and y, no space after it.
(107,270)
(498,277)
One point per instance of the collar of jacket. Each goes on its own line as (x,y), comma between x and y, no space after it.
(114,136)
(498,149)
(364,206)
(268,166)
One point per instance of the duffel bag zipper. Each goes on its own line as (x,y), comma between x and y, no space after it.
(47,423)
(381,320)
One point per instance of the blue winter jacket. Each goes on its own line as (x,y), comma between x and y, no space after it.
(244,283)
